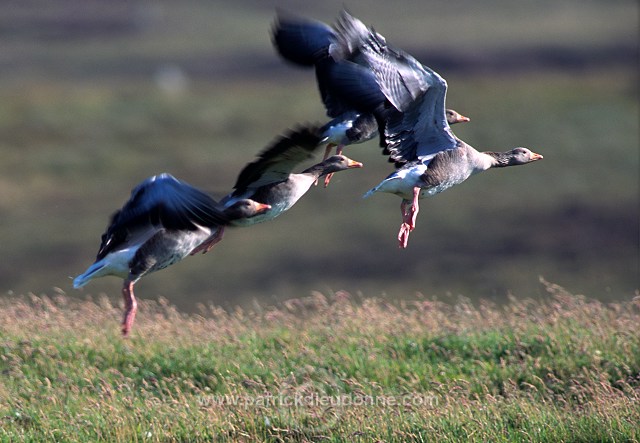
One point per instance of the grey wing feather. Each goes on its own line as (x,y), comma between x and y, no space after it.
(399,75)
(417,128)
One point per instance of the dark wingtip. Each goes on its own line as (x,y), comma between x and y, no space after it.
(306,134)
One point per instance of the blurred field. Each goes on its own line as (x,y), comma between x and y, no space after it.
(335,368)
(96,96)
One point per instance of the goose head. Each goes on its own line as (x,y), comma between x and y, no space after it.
(337,163)
(454,117)
(245,208)
(517,156)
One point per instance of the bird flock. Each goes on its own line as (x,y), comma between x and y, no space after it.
(369,88)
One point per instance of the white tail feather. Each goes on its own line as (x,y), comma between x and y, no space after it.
(370,192)
(89,274)
(116,263)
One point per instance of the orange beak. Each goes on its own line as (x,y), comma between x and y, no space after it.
(262,207)
(535,157)
(354,164)
(462,119)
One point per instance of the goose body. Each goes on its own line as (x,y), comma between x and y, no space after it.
(164,221)
(335,52)
(270,179)
(416,133)
(348,129)
(446,169)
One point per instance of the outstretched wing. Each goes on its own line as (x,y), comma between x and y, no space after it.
(278,161)
(422,130)
(415,125)
(161,201)
(398,74)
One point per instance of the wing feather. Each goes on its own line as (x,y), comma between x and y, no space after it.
(415,126)
(161,201)
(278,161)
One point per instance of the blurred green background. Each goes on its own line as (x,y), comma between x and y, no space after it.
(95,96)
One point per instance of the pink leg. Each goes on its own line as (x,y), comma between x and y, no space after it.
(339,149)
(327,151)
(415,207)
(130,307)
(408,218)
(209,243)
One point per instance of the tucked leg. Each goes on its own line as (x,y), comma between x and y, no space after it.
(339,149)
(327,151)
(130,307)
(209,243)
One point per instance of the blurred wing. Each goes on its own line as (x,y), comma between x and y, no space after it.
(311,43)
(161,201)
(277,162)
(306,43)
(355,85)
(301,41)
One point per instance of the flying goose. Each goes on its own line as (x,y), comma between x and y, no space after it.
(164,221)
(311,43)
(416,132)
(270,178)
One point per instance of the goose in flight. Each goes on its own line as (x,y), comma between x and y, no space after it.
(416,133)
(164,221)
(270,178)
(310,43)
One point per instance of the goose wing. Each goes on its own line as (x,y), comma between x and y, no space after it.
(415,125)
(277,162)
(422,130)
(399,76)
(161,201)
(306,43)
(301,41)
(312,43)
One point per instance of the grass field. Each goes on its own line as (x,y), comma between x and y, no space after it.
(331,367)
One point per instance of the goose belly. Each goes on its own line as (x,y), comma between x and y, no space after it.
(162,249)
(402,182)
(281,196)
(166,249)
(436,187)
(442,186)
(336,133)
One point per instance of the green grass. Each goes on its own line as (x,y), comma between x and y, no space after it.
(323,368)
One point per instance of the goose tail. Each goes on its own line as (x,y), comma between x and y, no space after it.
(98,269)
(370,192)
